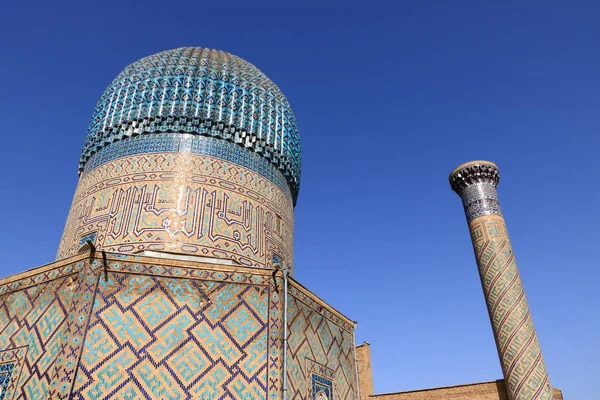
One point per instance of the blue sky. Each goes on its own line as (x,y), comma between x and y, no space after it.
(390,97)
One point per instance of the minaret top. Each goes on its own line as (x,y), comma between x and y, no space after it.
(473,173)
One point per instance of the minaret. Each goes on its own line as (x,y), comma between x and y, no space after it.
(523,366)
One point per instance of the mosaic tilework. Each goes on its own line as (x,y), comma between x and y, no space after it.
(42,322)
(131,330)
(11,364)
(173,338)
(322,388)
(521,358)
(75,332)
(520,354)
(5,374)
(200,91)
(181,202)
(320,345)
(128,328)
(177,333)
(172,143)
(476,184)
(90,237)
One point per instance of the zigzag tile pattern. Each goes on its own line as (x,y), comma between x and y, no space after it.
(320,344)
(520,354)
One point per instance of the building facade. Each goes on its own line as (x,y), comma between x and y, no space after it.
(173,278)
(174,274)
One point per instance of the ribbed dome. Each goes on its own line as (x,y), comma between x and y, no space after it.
(199,91)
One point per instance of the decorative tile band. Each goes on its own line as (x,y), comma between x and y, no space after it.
(201,91)
(476,184)
(319,369)
(194,144)
(42,277)
(129,264)
(181,202)
(479,200)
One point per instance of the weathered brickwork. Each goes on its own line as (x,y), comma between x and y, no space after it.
(365,375)
(495,390)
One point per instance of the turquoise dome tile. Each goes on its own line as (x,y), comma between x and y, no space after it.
(199,91)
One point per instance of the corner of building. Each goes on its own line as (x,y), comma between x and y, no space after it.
(365,371)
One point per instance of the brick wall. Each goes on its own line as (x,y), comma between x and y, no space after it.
(494,390)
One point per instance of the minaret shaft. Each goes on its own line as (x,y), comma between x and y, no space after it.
(520,355)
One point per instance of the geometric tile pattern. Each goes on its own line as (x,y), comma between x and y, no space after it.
(90,237)
(159,337)
(75,331)
(41,321)
(131,330)
(5,375)
(520,354)
(11,363)
(320,351)
(204,92)
(125,327)
(181,202)
(187,143)
(480,200)
(322,388)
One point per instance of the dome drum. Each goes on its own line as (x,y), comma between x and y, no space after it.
(189,151)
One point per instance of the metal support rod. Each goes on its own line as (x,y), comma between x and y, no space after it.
(285,271)
(356,362)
